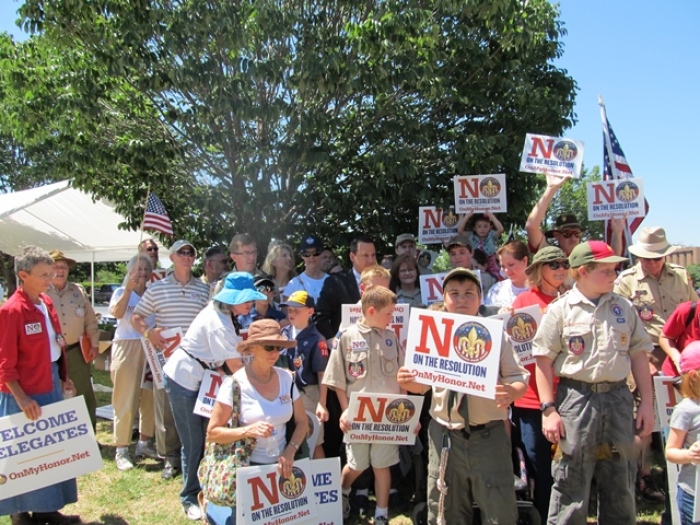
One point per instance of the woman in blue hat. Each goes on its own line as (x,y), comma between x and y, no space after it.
(209,344)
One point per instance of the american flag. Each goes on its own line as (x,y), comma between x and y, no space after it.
(618,169)
(156,217)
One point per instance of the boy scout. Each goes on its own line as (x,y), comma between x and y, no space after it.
(592,338)
(469,450)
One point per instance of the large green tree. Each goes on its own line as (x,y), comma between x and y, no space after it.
(278,117)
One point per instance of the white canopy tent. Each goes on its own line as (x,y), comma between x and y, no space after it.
(58,216)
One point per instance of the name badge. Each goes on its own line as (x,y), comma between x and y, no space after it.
(360,346)
(32,328)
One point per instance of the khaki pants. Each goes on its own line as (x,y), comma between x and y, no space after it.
(80,373)
(126,370)
(167,439)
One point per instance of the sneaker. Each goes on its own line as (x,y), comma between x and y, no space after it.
(146,450)
(346,507)
(361,505)
(124,461)
(193,512)
(381,520)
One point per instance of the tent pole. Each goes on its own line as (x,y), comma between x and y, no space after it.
(92,278)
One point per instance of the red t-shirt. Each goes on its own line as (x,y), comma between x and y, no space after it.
(675,328)
(533,296)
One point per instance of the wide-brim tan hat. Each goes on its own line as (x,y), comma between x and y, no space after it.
(652,243)
(57,255)
(265,332)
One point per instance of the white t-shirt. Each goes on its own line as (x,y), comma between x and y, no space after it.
(55,348)
(305,283)
(125,329)
(255,407)
(211,338)
(503,293)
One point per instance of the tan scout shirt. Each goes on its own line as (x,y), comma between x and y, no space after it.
(588,342)
(655,299)
(75,313)
(364,359)
(481,409)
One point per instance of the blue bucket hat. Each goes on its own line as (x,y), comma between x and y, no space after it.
(238,289)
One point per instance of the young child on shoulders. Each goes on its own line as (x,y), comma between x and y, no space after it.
(365,358)
(484,233)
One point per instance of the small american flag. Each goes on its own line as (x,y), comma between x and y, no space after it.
(156,217)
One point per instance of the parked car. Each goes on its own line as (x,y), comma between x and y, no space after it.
(104,292)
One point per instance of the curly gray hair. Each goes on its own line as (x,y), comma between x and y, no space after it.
(31,256)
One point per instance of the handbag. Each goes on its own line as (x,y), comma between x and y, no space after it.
(217,470)
(303,451)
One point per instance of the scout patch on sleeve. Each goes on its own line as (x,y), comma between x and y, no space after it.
(323,348)
(32,328)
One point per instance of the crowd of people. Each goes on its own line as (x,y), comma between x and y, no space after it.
(274,333)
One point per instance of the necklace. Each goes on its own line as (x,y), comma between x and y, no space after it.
(253,375)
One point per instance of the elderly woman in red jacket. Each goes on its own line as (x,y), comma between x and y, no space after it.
(33,374)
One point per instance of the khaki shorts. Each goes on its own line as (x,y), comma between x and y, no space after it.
(361,455)
(310,397)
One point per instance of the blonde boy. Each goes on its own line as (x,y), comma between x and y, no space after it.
(365,358)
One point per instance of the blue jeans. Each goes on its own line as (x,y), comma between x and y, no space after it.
(538,454)
(192,430)
(685,507)
(217,515)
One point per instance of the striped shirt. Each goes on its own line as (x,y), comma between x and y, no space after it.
(172,303)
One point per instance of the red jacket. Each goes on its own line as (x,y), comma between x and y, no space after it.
(25,352)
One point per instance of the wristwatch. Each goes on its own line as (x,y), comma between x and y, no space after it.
(146,333)
(545,406)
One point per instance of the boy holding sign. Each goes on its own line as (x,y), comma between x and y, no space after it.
(469,450)
(365,358)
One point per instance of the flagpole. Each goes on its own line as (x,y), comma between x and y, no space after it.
(143,219)
(614,173)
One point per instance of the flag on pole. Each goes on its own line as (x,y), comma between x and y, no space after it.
(156,217)
(616,167)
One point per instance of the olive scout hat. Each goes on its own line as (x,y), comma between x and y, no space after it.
(545,255)
(565,221)
(460,272)
(593,252)
(57,255)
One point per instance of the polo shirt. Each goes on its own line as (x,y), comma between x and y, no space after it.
(172,303)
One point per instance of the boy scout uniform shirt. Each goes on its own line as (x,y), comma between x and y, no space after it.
(75,313)
(481,409)
(589,342)
(364,359)
(655,299)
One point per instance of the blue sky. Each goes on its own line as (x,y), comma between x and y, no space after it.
(642,57)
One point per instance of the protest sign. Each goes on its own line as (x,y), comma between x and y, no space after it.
(383,418)
(312,434)
(458,352)
(479,193)
(519,328)
(611,199)
(265,497)
(60,445)
(327,492)
(157,275)
(351,314)
(667,397)
(208,390)
(431,287)
(436,225)
(552,156)
(157,359)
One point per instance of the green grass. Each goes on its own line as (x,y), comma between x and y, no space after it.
(140,497)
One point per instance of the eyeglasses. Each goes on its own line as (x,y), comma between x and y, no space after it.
(152,249)
(269,348)
(555,265)
(570,233)
(317,253)
(185,253)
(265,288)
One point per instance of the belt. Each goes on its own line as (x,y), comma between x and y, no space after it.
(476,428)
(598,388)
(73,346)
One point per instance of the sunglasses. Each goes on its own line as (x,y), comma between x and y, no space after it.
(269,348)
(152,249)
(185,253)
(555,265)
(265,288)
(317,253)
(567,234)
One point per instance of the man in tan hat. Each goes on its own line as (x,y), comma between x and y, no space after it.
(655,287)
(77,317)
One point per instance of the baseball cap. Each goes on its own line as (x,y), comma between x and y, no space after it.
(404,237)
(565,221)
(300,298)
(461,272)
(311,242)
(178,245)
(459,240)
(593,252)
(690,357)
(264,279)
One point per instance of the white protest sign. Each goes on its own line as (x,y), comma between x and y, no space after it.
(265,497)
(327,491)
(431,287)
(436,225)
(383,418)
(520,329)
(351,314)
(157,275)
(208,389)
(480,193)
(552,156)
(667,397)
(58,446)
(458,352)
(609,199)
(156,360)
